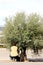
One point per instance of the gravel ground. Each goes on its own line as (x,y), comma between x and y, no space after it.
(21,63)
(4,54)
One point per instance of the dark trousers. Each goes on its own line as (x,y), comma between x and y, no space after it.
(15,57)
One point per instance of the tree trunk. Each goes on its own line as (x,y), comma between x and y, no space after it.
(24,51)
(23,54)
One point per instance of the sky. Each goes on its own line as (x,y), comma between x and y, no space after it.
(11,7)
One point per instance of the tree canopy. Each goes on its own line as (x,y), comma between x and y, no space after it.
(25,30)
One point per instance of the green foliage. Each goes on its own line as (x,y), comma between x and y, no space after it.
(25,31)
(34,34)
